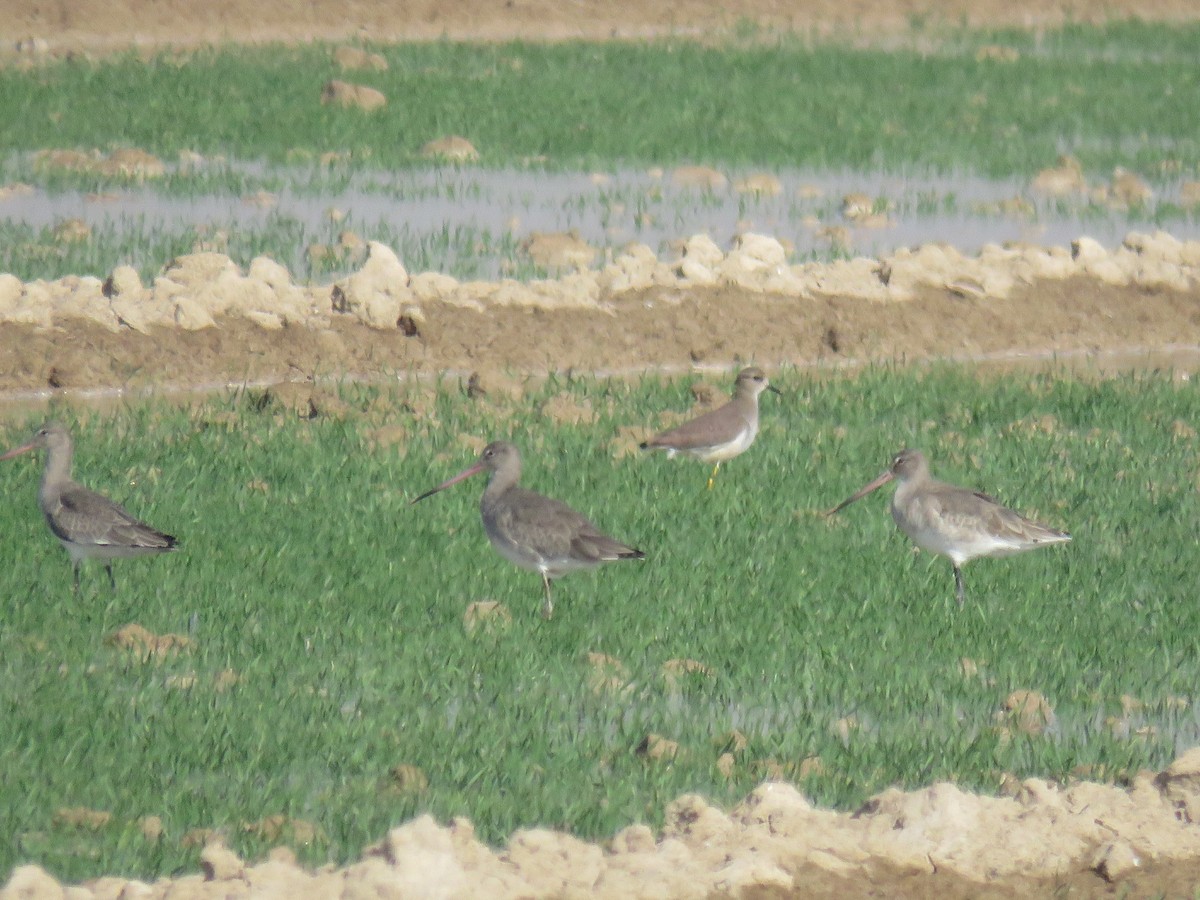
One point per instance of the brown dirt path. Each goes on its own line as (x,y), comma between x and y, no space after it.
(1059,322)
(97,26)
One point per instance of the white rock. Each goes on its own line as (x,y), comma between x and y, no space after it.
(1189,254)
(696,273)
(268,271)
(632,270)
(752,877)
(377,292)
(271,321)
(197,268)
(760,250)
(165,288)
(767,801)
(702,249)
(1115,860)
(11,289)
(220,863)
(1087,250)
(579,290)
(786,281)
(858,277)
(124,281)
(424,860)
(429,286)
(379,309)
(1159,246)
(83,298)
(140,312)
(191,315)
(1038,263)
(33,882)
(130,890)
(34,307)
(1160,274)
(1109,271)
(691,819)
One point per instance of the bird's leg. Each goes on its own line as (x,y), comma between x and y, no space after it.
(960,591)
(713,476)
(547,604)
(111,580)
(76,568)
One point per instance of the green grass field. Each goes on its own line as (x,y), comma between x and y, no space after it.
(336,611)
(1118,95)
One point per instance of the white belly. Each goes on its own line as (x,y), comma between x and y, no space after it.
(959,538)
(722,452)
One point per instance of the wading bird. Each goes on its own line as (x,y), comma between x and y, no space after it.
(532,531)
(723,433)
(951,521)
(87,524)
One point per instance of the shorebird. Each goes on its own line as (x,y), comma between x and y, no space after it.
(723,433)
(951,521)
(87,524)
(532,531)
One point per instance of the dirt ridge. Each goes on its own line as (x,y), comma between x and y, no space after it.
(1040,838)
(204,322)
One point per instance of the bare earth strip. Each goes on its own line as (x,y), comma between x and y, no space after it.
(102,26)
(1037,840)
(205,322)
(1072,322)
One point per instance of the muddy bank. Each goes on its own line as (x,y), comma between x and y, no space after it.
(205,322)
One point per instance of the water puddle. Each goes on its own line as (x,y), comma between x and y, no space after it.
(470,222)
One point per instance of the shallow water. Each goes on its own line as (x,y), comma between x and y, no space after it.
(468,222)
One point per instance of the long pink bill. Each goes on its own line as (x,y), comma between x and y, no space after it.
(863,491)
(461,476)
(17,451)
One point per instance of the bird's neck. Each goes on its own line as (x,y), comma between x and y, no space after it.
(747,404)
(57,473)
(499,484)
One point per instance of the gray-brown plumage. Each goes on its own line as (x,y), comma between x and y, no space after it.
(954,522)
(532,531)
(89,525)
(723,433)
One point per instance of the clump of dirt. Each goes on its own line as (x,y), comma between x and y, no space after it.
(145,644)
